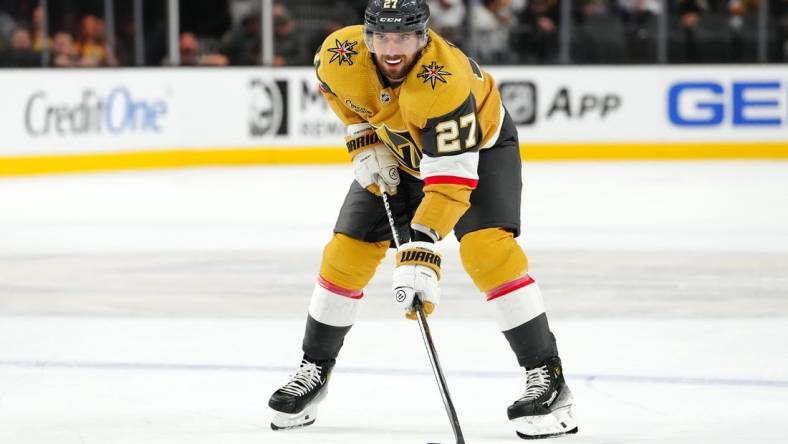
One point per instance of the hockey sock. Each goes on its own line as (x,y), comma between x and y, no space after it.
(498,267)
(519,310)
(332,311)
(348,265)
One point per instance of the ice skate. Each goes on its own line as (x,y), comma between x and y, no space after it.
(295,403)
(545,409)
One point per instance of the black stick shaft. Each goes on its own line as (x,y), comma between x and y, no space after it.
(427,336)
(393,226)
(436,370)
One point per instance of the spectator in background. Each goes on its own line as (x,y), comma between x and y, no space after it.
(639,26)
(287,48)
(689,13)
(491,26)
(64,53)
(91,44)
(782,35)
(38,30)
(737,9)
(540,39)
(189,49)
(592,7)
(7,26)
(192,54)
(242,43)
(447,18)
(20,50)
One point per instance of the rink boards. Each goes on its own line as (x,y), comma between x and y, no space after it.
(84,119)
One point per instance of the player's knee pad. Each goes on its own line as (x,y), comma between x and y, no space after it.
(350,263)
(492,257)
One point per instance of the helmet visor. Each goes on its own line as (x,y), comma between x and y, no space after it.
(394,43)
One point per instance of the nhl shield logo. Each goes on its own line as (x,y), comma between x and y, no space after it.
(385,97)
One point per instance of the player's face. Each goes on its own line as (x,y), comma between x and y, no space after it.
(395,52)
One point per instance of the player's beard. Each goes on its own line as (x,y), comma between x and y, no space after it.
(399,72)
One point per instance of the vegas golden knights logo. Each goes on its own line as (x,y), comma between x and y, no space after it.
(404,148)
(390,4)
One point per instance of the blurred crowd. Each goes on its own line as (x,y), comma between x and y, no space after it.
(228,32)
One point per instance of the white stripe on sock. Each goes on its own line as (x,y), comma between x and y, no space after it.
(331,308)
(518,307)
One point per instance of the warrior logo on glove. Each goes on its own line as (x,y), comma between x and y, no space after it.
(417,274)
(420,256)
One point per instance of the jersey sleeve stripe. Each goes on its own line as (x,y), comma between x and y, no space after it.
(433,180)
(462,166)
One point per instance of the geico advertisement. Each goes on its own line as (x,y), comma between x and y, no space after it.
(702,103)
(648,104)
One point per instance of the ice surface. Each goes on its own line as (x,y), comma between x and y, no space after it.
(166,306)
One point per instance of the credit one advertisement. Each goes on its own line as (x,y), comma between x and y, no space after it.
(119,110)
(98,111)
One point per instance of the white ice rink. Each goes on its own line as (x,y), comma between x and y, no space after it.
(166,306)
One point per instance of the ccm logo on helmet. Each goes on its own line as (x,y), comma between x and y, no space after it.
(390,19)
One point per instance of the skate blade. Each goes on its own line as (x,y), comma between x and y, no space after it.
(306,417)
(559,422)
(289,421)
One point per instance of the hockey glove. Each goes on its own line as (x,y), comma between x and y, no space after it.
(373,163)
(417,273)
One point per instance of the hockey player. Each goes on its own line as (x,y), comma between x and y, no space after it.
(426,124)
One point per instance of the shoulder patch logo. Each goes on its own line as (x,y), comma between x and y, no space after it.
(343,51)
(433,72)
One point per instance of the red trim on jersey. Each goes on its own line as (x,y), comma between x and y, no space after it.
(509,287)
(451,180)
(336,289)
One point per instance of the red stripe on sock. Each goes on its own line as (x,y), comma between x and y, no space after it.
(451,180)
(509,287)
(336,289)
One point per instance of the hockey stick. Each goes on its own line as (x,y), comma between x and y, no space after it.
(427,336)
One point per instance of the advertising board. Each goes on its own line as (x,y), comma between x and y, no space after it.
(58,120)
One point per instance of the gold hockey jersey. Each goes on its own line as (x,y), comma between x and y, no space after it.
(435,121)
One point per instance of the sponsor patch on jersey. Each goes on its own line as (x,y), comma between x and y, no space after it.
(432,73)
(357,108)
(343,51)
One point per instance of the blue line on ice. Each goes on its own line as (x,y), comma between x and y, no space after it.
(390,372)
